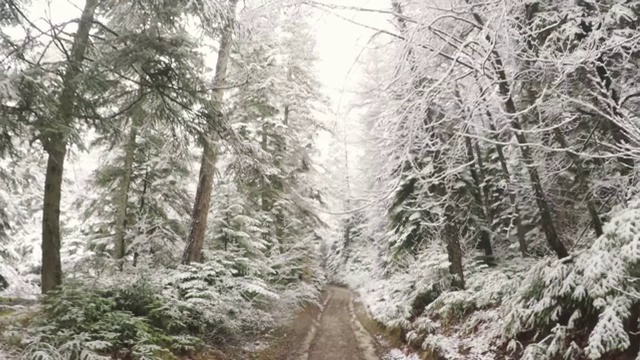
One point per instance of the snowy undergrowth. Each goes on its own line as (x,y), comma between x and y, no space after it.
(454,324)
(586,301)
(156,314)
(396,354)
(18,285)
(391,296)
(580,307)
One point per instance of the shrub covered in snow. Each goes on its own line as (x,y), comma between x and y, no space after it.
(226,302)
(78,322)
(584,304)
(147,316)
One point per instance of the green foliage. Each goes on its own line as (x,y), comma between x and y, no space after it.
(80,323)
(409,228)
(163,317)
(223,302)
(158,203)
(594,292)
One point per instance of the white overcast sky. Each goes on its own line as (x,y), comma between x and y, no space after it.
(340,43)
(341,47)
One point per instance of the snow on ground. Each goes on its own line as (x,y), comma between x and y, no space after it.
(397,354)
(256,346)
(5,355)
(19,286)
(366,343)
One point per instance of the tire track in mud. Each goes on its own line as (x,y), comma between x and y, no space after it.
(336,333)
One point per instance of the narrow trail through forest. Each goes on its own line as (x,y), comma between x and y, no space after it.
(339,335)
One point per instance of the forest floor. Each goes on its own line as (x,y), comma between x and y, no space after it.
(331,331)
(337,328)
(339,335)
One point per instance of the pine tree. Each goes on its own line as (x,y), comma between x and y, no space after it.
(193,249)
(274,111)
(157,199)
(153,65)
(54,139)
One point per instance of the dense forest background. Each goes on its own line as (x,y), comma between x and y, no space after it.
(163,182)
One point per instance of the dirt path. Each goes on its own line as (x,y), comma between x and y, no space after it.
(339,336)
(328,331)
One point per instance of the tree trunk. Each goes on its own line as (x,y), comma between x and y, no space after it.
(451,237)
(548,227)
(479,197)
(265,204)
(193,250)
(504,89)
(287,111)
(583,181)
(485,187)
(145,188)
(634,336)
(54,141)
(520,233)
(51,265)
(450,230)
(454,252)
(347,240)
(123,191)
(546,218)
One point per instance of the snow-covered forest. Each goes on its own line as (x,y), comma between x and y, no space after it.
(177,180)
(497,213)
(196,220)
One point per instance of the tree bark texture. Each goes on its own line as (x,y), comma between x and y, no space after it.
(583,182)
(477,175)
(546,218)
(55,144)
(123,190)
(454,253)
(517,217)
(51,271)
(193,250)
